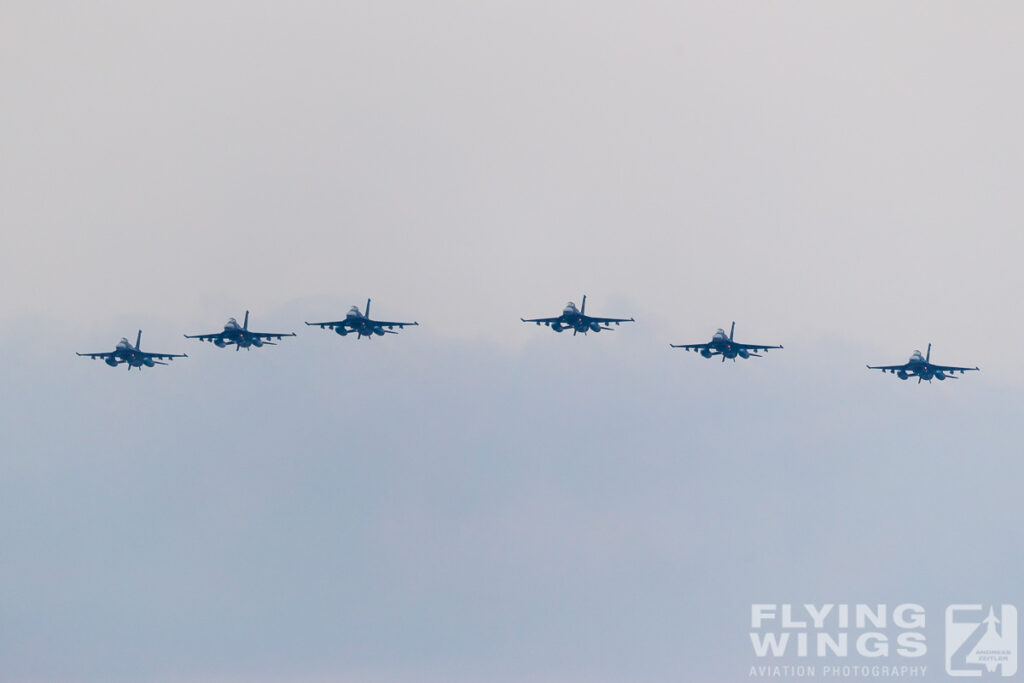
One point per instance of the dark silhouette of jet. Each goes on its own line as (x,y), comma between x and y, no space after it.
(132,356)
(577,320)
(921,367)
(724,346)
(240,336)
(361,324)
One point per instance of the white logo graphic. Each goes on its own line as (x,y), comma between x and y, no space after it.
(981,642)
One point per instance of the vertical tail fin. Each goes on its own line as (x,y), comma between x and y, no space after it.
(367,312)
(928,354)
(583,308)
(245,325)
(138,339)
(732,330)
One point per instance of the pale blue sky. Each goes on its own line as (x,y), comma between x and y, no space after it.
(478,499)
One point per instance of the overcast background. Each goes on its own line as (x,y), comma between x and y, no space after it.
(478,499)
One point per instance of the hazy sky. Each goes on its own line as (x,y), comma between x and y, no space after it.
(478,499)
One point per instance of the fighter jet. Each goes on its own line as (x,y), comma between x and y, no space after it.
(921,367)
(240,336)
(577,320)
(133,356)
(361,324)
(724,346)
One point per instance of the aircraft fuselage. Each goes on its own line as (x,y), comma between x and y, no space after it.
(573,319)
(922,368)
(239,336)
(124,352)
(721,344)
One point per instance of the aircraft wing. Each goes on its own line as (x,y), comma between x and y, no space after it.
(161,356)
(205,337)
(546,321)
(104,354)
(754,347)
(271,335)
(691,347)
(331,324)
(389,324)
(951,368)
(592,319)
(889,368)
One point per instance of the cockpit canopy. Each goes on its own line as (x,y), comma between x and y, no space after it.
(916,355)
(354,311)
(232,322)
(719,333)
(570,308)
(124,342)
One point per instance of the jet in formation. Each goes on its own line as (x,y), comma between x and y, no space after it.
(362,324)
(724,346)
(577,320)
(240,335)
(921,367)
(132,356)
